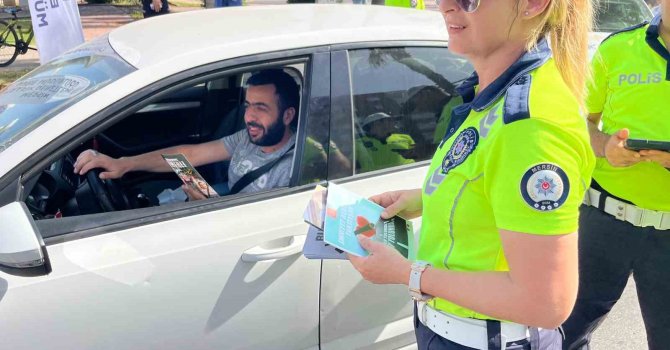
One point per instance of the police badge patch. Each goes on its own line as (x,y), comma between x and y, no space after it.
(463,146)
(545,187)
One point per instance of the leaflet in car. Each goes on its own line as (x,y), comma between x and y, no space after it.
(188,175)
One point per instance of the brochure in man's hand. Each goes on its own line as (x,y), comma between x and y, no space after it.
(347,215)
(189,175)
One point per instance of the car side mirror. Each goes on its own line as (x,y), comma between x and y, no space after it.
(22,250)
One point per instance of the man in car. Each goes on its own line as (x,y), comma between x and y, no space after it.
(272,100)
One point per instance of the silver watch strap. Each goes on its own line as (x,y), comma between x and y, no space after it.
(415,281)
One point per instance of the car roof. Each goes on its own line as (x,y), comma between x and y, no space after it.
(215,34)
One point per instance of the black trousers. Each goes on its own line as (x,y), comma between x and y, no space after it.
(149,12)
(609,251)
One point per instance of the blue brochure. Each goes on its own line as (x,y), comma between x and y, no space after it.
(349,215)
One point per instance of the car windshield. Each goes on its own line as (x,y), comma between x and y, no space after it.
(51,88)
(614,15)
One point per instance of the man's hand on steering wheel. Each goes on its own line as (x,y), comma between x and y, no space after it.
(91,159)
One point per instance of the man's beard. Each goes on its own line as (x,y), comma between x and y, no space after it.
(271,135)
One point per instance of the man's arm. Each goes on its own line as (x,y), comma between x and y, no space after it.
(611,146)
(199,154)
(598,138)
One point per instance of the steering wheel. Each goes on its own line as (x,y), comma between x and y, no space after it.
(108,192)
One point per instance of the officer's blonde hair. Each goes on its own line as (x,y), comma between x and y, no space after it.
(567,23)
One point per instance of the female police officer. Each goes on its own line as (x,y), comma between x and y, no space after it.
(500,201)
(625,225)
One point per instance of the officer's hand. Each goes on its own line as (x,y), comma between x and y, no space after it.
(157,5)
(406,203)
(615,152)
(660,157)
(384,265)
(90,159)
(192,193)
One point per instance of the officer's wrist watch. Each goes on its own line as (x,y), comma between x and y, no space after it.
(418,268)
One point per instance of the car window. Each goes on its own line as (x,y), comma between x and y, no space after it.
(613,15)
(199,112)
(49,89)
(402,101)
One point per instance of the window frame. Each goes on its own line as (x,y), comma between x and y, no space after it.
(60,230)
(319,78)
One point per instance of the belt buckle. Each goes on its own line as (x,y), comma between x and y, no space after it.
(665,221)
(651,218)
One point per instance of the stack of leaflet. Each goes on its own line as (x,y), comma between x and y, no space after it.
(315,247)
(337,216)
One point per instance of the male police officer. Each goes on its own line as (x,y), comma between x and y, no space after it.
(625,223)
(380,147)
(272,100)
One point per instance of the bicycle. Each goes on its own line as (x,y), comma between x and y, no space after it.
(11,43)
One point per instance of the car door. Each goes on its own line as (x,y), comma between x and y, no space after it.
(415,86)
(215,274)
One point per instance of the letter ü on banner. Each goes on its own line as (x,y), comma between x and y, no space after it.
(57,26)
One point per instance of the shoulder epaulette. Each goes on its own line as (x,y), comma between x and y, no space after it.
(631,28)
(516,100)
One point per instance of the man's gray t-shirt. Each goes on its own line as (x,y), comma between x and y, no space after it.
(245,157)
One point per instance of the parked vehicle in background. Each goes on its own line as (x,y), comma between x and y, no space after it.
(615,15)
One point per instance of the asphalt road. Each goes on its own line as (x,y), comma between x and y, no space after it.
(623,329)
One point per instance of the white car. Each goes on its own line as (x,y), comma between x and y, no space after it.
(221,273)
(615,15)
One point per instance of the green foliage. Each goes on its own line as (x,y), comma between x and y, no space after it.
(8,77)
(137,15)
(116,2)
(186,3)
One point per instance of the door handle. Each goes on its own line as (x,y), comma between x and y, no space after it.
(261,253)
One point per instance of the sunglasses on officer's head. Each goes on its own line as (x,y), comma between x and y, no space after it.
(465,5)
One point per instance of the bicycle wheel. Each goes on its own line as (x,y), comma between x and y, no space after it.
(8,47)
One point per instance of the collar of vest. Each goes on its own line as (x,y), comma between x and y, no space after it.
(653,38)
(526,63)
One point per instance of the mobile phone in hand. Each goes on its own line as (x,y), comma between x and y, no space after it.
(639,144)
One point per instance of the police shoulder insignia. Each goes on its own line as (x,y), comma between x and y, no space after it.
(545,187)
(464,144)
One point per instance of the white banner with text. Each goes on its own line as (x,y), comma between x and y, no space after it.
(57,26)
